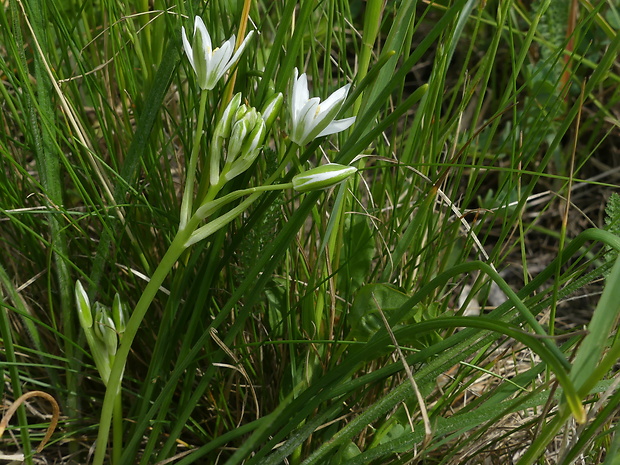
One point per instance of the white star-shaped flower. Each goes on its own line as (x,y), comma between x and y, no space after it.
(310,118)
(210,65)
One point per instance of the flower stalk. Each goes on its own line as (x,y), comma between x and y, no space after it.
(188,191)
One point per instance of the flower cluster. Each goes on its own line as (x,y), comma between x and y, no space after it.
(241,131)
(244,129)
(103,328)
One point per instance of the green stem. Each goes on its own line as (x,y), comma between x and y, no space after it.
(210,206)
(117,430)
(114,383)
(185,237)
(372,23)
(188,234)
(188,193)
(218,223)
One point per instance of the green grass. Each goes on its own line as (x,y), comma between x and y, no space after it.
(485,141)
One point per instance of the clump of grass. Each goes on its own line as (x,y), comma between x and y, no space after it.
(272,325)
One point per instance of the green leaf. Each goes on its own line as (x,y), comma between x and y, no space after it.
(359,250)
(364,317)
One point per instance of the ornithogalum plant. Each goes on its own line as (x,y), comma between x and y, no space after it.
(237,141)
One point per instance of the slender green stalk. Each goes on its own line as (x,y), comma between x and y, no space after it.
(184,238)
(188,192)
(133,325)
(117,429)
(372,22)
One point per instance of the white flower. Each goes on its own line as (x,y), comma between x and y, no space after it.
(310,118)
(210,65)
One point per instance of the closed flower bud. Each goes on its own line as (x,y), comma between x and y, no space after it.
(250,150)
(245,129)
(83,306)
(119,314)
(240,113)
(224,125)
(104,328)
(221,133)
(240,131)
(272,109)
(322,177)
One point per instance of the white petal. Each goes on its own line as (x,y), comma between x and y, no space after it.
(188,48)
(221,59)
(335,98)
(239,51)
(304,123)
(199,24)
(300,92)
(337,126)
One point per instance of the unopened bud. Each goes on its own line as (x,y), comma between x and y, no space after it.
(240,131)
(250,150)
(221,133)
(272,109)
(83,306)
(224,125)
(322,177)
(104,328)
(119,314)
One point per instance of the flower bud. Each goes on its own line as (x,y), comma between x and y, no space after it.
(104,328)
(240,113)
(119,314)
(221,133)
(250,150)
(322,177)
(224,125)
(83,306)
(240,131)
(272,109)
(245,129)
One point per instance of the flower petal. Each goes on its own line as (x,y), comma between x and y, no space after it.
(304,123)
(336,98)
(337,126)
(221,60)
(188,48)
(239,51)
(300,93)
(199,25)
(201,53)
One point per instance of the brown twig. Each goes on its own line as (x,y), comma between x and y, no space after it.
(55,414)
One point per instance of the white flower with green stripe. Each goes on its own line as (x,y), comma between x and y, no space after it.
(309,117)
(208,63)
